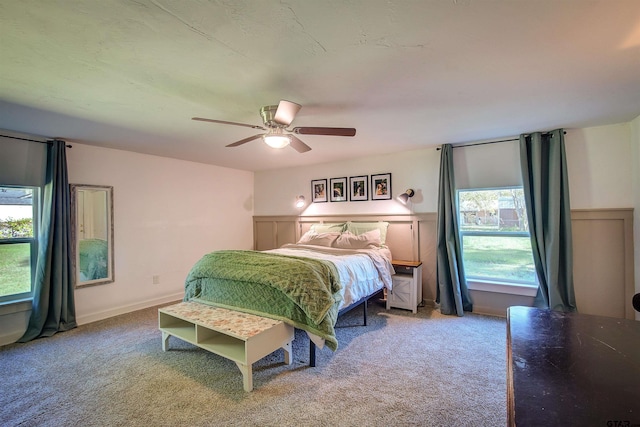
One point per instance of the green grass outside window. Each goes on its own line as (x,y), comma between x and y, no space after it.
(496,257)
(15,269)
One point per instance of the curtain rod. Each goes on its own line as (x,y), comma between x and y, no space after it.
(33,140)
(482,143)
(488,142)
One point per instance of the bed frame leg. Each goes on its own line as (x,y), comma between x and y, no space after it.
(312,346)
(364,309)
(312,354)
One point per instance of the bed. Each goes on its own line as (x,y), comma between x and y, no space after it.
(329,270)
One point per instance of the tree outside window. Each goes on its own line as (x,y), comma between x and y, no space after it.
(495,235)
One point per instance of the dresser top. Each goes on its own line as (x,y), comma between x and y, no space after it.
(573,369)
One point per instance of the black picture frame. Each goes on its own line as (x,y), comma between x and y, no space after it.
(319,190)
(338,188)
(381,186)
(359,188)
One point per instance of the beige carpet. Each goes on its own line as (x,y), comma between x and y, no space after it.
(402,369)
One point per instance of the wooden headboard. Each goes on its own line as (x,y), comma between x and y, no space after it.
(409,237)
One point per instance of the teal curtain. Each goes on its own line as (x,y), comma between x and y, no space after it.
(452,293)
(546,190)
(53,307)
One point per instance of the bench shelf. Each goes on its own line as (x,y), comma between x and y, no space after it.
(240,337)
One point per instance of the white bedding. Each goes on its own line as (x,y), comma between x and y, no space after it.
(361,271)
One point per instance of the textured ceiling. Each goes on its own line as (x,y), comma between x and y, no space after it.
(406,74)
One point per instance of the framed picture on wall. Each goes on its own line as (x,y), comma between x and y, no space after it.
(359,188)
(319,190)
(338,188)
(381,186)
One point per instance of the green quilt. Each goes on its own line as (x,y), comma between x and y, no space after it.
(303,292)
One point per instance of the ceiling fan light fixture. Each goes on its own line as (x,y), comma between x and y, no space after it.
(276,141)
(276,119)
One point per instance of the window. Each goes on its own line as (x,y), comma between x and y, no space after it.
(494,230)
(18,242)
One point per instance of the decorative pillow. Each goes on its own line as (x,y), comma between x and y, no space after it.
(348,240)
(358,228)
(327,227)
(322,239)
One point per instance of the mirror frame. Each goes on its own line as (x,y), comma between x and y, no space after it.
(74,188)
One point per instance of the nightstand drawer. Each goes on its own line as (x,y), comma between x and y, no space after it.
(403,269)
(402,294)
(402,284)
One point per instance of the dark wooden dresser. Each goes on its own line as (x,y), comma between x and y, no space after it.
(569,369)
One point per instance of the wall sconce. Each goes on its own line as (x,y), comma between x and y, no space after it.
(300,202)
(404,197)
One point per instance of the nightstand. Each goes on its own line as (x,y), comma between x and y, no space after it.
(407,285)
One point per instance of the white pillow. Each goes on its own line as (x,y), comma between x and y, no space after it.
(348,240)
(358,228)
(327,227)
(322,239)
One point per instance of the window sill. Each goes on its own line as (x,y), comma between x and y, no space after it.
(503,287)
(10,307)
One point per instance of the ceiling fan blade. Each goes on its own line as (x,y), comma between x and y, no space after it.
(298,145)
(243,141)
(324,131)
(286,112)
(227,123)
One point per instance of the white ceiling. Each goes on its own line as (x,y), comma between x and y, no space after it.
(406,74)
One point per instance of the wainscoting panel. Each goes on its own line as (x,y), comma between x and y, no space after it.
(271,232)
(428,241)
(603,261)
(602,255)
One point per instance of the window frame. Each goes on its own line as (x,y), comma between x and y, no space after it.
(33,241)
(487,283)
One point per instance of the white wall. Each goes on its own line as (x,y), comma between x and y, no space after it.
(600,166)
(275,191)
(167,214)
(598,159)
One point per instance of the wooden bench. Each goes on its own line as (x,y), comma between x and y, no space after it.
(240,337)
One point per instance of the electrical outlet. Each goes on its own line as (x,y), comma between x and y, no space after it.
(156,280)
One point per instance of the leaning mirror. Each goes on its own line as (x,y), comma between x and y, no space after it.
(92,234)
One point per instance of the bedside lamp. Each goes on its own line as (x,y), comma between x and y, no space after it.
(300,202)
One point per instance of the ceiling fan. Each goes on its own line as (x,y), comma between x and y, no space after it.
(276,118)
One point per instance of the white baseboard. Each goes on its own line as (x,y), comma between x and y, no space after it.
(477,309)
(490,311)
(94,317)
